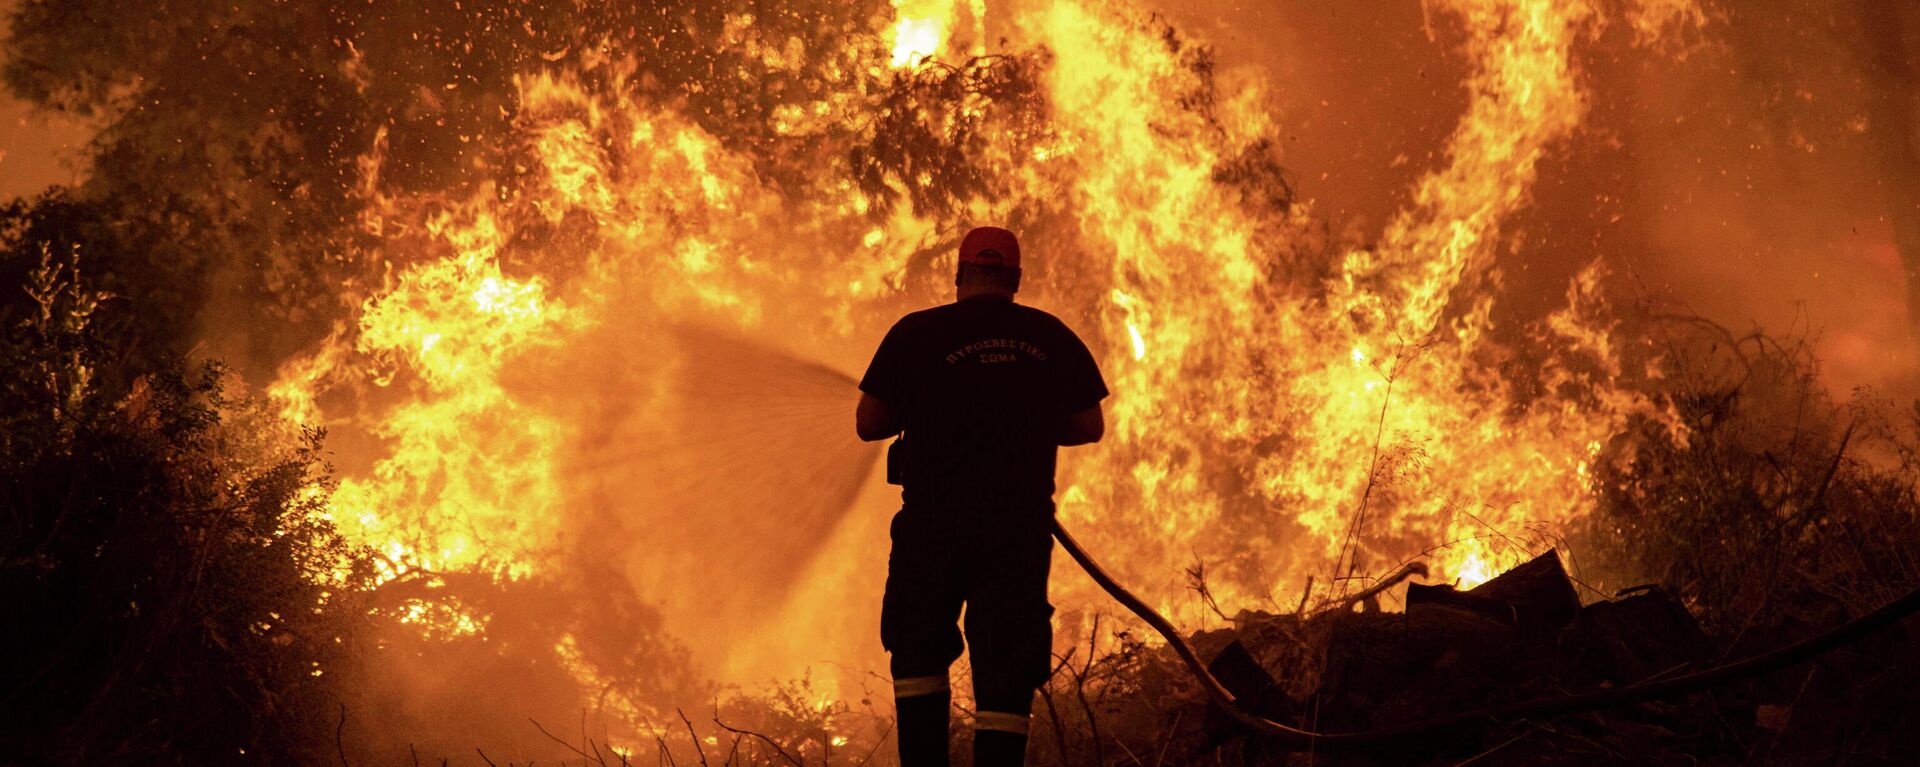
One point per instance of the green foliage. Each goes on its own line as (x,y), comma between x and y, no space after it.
(172,596)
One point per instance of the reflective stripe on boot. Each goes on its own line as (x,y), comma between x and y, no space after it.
(922,728)
(999,739)
(1001,722)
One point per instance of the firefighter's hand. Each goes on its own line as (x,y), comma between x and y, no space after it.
(874,420)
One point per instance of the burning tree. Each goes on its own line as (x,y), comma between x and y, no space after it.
(573,290)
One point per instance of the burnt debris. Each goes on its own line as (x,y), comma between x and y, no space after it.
(1525,637)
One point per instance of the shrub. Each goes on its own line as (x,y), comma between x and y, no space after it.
(173,598)
(1777,499)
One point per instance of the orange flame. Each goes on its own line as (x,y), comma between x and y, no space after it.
(1284,416)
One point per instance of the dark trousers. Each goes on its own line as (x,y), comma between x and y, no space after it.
(992,559)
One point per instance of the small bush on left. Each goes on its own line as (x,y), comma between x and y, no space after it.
(171,595)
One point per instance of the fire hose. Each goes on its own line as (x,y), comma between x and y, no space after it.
(1294,738)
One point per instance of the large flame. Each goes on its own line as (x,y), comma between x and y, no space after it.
(1288,427)
(1276,410)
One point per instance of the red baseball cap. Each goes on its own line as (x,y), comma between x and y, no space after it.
(990,246)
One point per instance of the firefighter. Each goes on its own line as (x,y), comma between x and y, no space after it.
(978,394)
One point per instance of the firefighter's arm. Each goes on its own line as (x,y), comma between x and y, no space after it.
(873,419)
(1083,428)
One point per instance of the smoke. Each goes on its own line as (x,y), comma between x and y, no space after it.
(1734,178)
(1364,98)
(1754,184)
(594,318)
(38,149)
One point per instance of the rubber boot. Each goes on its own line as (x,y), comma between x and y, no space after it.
(996,748)
(922,730)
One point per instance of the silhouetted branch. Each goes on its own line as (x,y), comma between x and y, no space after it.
(877,743)
(764,739)
(339,739)
(556,739)
(697,748)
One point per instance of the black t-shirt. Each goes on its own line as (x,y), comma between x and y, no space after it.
(982,388)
